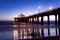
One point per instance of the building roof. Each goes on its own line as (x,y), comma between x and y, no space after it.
(21,15)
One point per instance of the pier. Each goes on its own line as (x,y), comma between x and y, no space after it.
(34,19)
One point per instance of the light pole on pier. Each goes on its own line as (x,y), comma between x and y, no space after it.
(50,8)
(39,8)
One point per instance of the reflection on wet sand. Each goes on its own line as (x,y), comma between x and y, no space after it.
(29,31)
(15,34)
(22,34)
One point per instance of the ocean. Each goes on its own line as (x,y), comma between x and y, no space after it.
(6,23)
(52,23)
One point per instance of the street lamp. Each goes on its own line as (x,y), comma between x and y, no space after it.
(50,8)
(39,8)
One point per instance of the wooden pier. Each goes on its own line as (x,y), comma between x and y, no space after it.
(35,19)
(30,19)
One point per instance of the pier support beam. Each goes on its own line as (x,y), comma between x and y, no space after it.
(56,23)
(15,19)
(41,20)
(32,20)
(48,20)
(56,20)
(27,20)
(37,19)
(59,22)
(48,25)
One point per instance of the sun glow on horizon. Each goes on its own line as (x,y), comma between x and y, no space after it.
(6,19)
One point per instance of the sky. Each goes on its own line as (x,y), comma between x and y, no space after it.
(12,8)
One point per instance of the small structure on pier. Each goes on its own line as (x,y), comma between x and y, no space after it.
(20,18)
